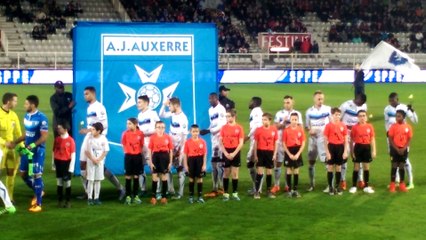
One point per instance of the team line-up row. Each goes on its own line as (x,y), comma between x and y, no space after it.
(334,134)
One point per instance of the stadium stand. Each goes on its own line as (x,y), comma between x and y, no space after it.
(54,48)
(231,39)
(342,31)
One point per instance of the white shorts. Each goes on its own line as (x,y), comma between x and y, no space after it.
(349,142)
(251,150)
(145,150)
(316,148)
(83,157)
(95,172)
(216,151)
(177,141)
(177,151)
(280,152)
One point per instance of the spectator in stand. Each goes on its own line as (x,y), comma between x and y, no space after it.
(70,34)
(419,36)
(70,10)
(306,46)
(41,17)
(61,22)
(392,40)
(50,26)
(332,34)
(315,47)
(78,7)
(297,45)
(39,32)
(413,47)
(36,33)
(357,39)
(43,32)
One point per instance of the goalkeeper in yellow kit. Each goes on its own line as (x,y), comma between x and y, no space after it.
(10,131)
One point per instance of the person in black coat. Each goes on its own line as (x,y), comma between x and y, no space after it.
(223,98)
(359,85)
(62,105)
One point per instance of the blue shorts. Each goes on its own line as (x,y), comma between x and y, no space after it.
(38,161)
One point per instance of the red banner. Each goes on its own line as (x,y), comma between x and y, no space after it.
(268,40)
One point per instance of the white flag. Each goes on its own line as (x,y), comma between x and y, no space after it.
(386,56)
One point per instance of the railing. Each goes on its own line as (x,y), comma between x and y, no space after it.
(36,60)
(63,60)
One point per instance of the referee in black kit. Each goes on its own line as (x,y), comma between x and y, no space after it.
(62,105)
(223,98)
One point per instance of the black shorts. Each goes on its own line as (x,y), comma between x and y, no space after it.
(293,163)
(195,165)
(362,153)
(62,169)
(161,161)
(133,164)
(336,152)
(398,158)
(236,162)
(265,159)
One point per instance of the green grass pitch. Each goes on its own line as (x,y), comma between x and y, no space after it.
(314,216)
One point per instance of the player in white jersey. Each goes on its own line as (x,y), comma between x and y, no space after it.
(96,112)
(282,120)
(217,117)
(255,122)
(178,132)
(317,117)
(349,117)
(390,114)
(146,122)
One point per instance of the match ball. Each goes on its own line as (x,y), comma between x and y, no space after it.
(370,116)
(411,96)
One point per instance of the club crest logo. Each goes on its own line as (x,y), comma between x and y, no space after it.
(396,59)
(149,88)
